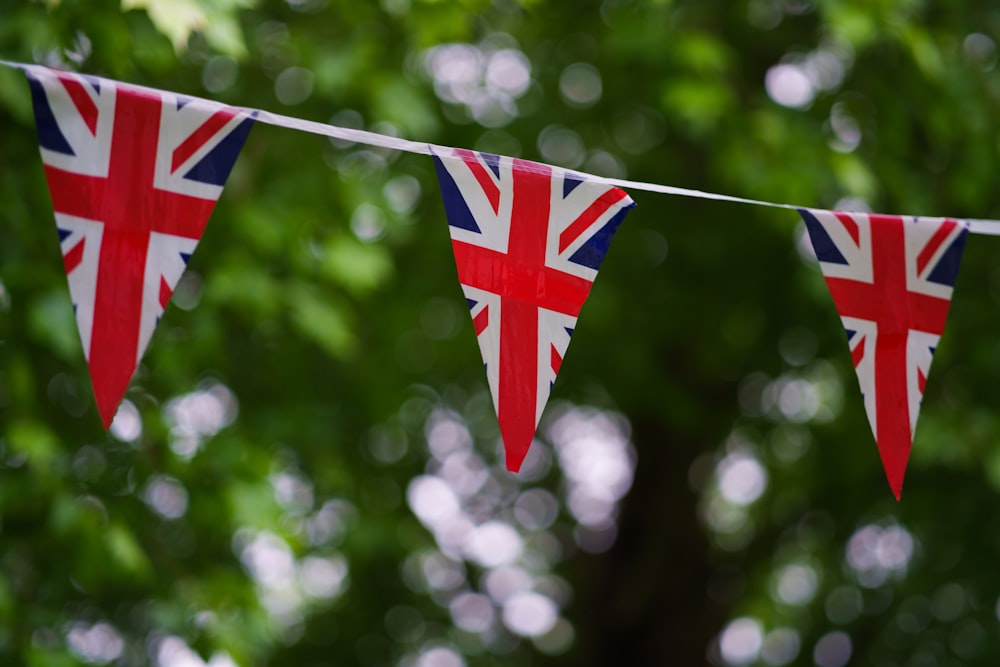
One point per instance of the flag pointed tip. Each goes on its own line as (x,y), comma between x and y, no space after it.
(897,487)
(109,393)
(516,446)
(896,484)
(515,456)
(107,415)
(895,470)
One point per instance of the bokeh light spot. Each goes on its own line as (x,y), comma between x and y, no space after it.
(580,85)
(741,641)
(294,86)
(494,543)
(789,86)
(472,612)
(166,496)
(742,479)
(833,650)
(797,584)
(99,643)
(127,424)
(440,656)
(529,614)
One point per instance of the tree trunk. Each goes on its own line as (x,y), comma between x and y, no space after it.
(645,601)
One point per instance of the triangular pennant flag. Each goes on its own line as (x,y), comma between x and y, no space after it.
(891,279)
(134,174)
(528,241)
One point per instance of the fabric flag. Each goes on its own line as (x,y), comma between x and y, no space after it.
(528,241)
(891,279)
(134,174)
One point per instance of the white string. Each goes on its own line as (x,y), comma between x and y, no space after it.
(976,226)
(344,133)
(988,227)
(685,192)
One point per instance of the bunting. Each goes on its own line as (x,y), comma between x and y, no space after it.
(134,175)
(891,280)
(528,241)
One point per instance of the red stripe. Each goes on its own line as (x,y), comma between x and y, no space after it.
(892,409)
(486,182)
(501,274)
(518,395)
(75,194)
(72,259)
(932,246)
(481,321)
(858,352)
(921,381)
(123,203)
(198,138)
(587,218)
(850,225)
(165,293)
(877,304)
(130,208)
(516,404)
(84,104)
(127,202)
(114,343)
(556,360)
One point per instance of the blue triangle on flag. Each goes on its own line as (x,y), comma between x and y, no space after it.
(946,271)
(569,184)
(470,303)
(850,333)
(214,168)
(493,162)
(94,82)
(63,234)
(569,330)
(186,256)
(50,136)
(455,208)
(592,252)
(823,245)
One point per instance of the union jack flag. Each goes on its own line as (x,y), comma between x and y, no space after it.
(528,241)
(891,279)
(134,175)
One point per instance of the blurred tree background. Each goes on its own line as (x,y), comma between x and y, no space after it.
(307,471)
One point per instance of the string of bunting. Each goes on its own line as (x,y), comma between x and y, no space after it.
(134,174)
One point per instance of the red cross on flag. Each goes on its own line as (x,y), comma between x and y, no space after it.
(891,279)
(528,241)
(134,175)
